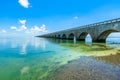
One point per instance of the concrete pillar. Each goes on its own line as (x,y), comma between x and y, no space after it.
(75,39)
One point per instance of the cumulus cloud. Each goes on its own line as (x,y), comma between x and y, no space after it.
(75,17)
(22,22)
(33,30)
(13,28)
(3,31)
(24,3)
(37,29)
(21,28)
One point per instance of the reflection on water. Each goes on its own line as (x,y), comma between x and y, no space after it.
(39,43)
(3,41)
(31,58)
(54,59)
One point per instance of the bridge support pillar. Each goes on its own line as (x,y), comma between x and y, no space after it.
(75,39)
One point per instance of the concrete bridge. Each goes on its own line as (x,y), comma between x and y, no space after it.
(98,31)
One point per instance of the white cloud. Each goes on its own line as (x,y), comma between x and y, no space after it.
(24,3)
(76,17)
(3,31)
(13,28)
(21,28)
(37,29)
(33,30)
(22,22)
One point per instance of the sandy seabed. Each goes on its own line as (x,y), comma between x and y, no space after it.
(86,68)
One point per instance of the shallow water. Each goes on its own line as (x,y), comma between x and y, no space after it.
(53,59)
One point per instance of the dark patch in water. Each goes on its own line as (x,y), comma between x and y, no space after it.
(45,67)
(69,62)
(49,52)
(57,62)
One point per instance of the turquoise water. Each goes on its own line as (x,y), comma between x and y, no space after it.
(39,58)
(31,58)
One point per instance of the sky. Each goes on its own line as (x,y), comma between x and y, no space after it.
(35,17)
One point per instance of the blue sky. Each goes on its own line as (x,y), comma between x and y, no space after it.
(42,16)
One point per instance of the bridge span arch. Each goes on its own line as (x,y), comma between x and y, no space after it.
(59,36)
(102,36)
(82,36)
(71,36)
(64,36)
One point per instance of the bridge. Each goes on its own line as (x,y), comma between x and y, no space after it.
(98,31)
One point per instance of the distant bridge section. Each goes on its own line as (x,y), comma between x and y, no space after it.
(98,31)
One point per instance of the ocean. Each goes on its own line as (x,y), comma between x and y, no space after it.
(34,58)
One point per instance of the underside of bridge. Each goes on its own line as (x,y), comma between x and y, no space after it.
(71,36)
(82,36)
(55,36)
(103,36)
(64,36)
(58,36)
